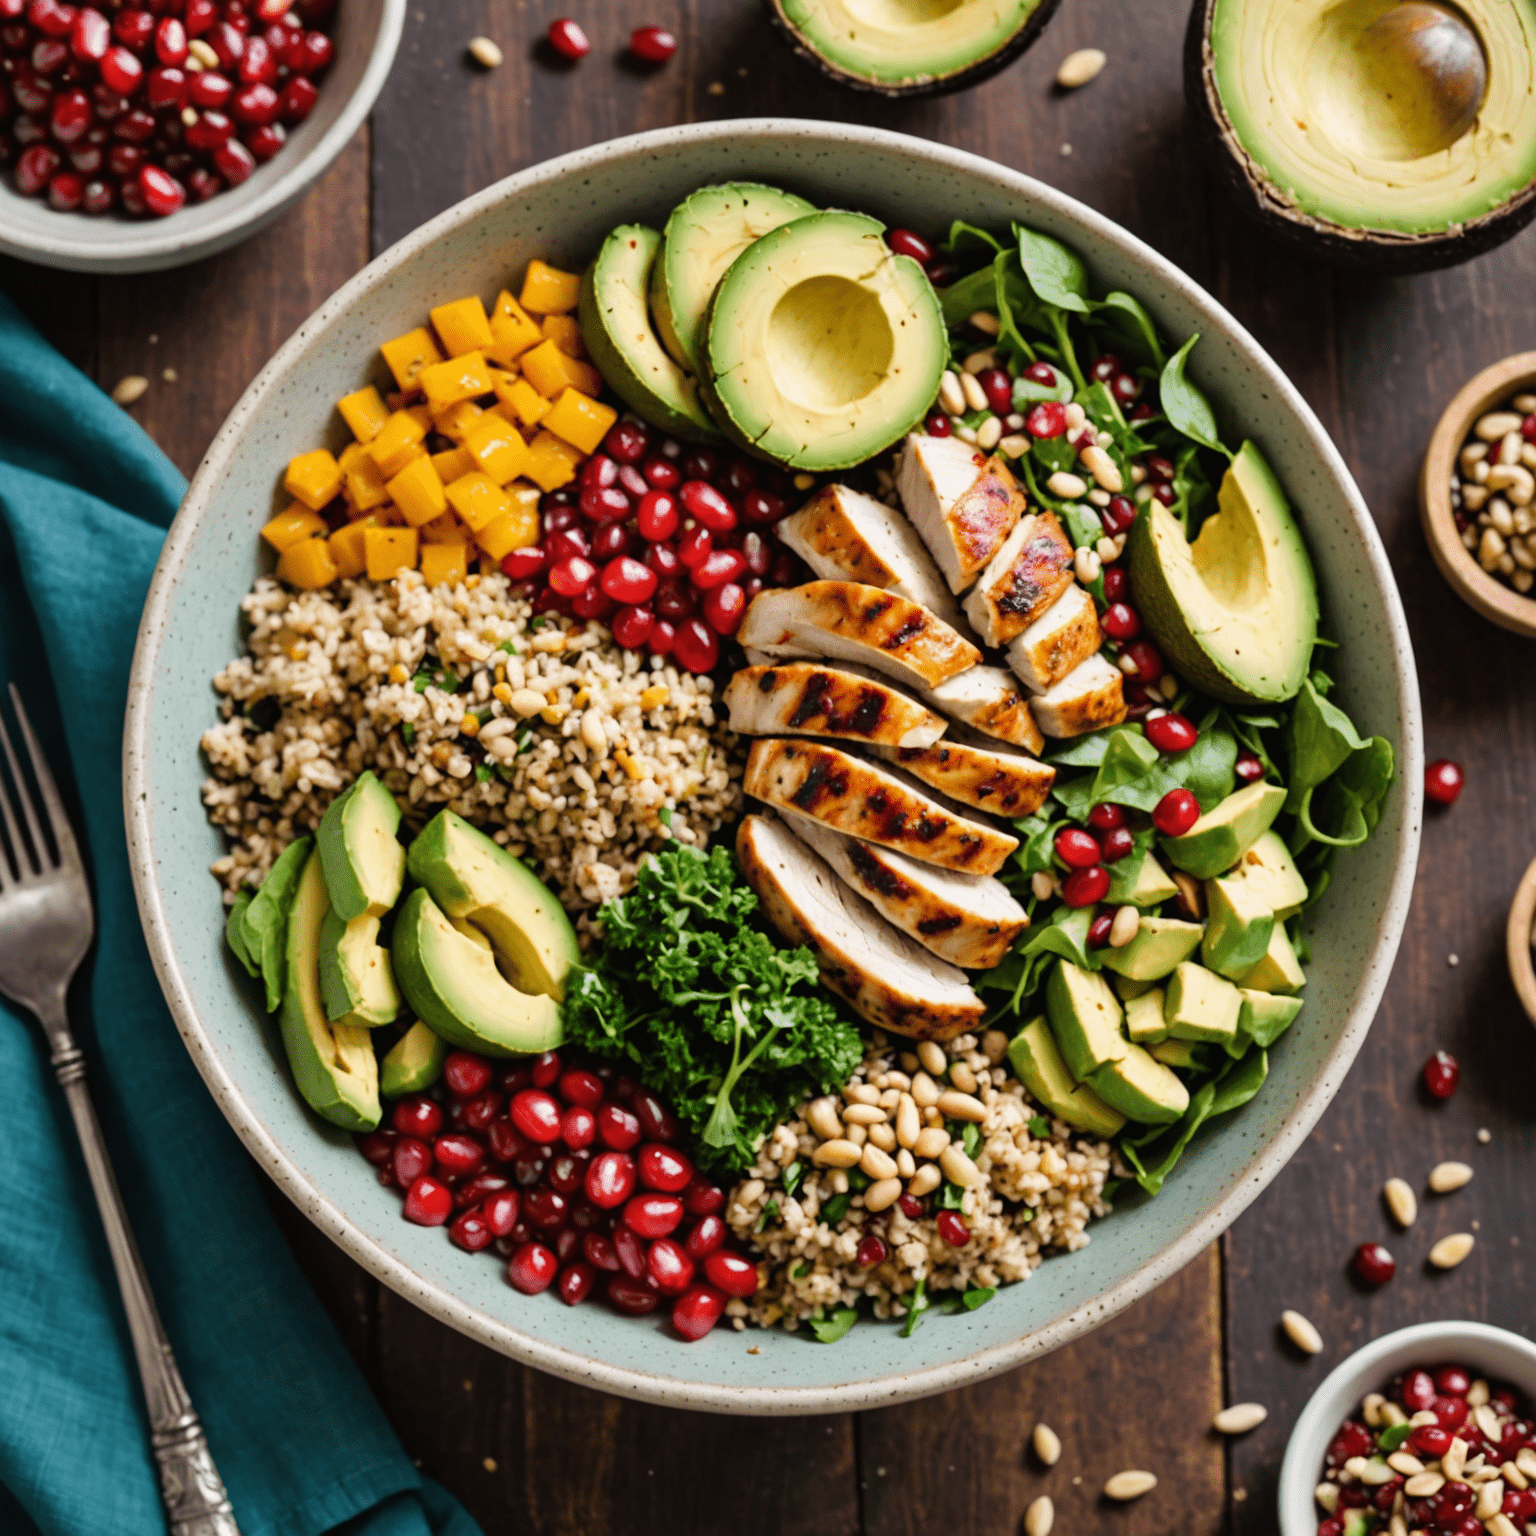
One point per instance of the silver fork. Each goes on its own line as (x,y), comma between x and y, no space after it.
(46,926)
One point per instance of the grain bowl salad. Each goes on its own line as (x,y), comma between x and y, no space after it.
(775,778)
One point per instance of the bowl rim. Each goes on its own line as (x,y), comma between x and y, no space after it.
(1305,1447)
(648,1386)
(1517,941)
(163,244)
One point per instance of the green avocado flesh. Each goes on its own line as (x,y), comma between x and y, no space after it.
(824,346)
(333,1064)
(356,981)
(1176,1053)
(263,920)
(1238,923)
(1265,1015)
(1144,1022)
(1033,1055)
(1225,832)
(1279,970)
(905,42)
(1269,870)
(705,233)
(1200,1005)
(616,328)
(363,860)
(1160,944)
(413,1063)
(1153,887)
(1141,1088)
(1236,611)
(1085,1018)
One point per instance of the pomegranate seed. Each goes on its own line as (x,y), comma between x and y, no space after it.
(1106,817)
(724,608)
(133,28)
(536,1115)
(258,64)
(1374,1264)
(457,1155)
(871,1251)
(1176,813)
(210,131)
(1147,661)
(952,1229)
(657,515)
(1248,768)
(208,88)
(911,1207)
(697,1311)
(632,627)
(610,1179)
(626,580)
(470,1231)
(1119,514)
(655,45)
(662,1168)
(171,41)
(1171,733)
(663,638)
(669,1266)
(466,1075)
(1451,1412)
(630,1252)
(696,647)
(1076,848)
(578,1127)
(998,388)
(298,100)
(121,71)
(571,576)
(1048,418)
(1453,1380)
(905,243)
(937,424)
(1117,584)
(701,1198)
(411,1159)
(1125,387)
(568,40)
(1083,887)
(546,1208)
(1441,1074)
(1106,367)
(416,1115)
(597,1247)
(1117,843)
(1120,622)
(567,1172)
(545,1072)
(50,17)
(478,1190)
(606,503)
(1444,781)
(132,198)
(626,441)
(661,472)
(786,570)
(731,1273)
(653,1215)
(633,1299)
(708,1234)
(165,86)
(91,35)
(617,1128)
(532,1268)
(708,506)
(428,1202)
(524,564)
(1098,930)
(1418,1390)
(1430,1440)
(695,546)
(377,1146)
(36,168)
(255,105)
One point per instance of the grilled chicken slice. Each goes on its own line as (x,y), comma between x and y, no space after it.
(1062,638)
(1031,570)
(989,700)
(1087,698)
(969,920)
(885,977)
(813,699)
(848,621)
(844,535)
(969,768)
(872,802)
(962,503)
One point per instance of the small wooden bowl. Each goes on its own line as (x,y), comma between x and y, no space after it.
(1517,941)
(1506,607)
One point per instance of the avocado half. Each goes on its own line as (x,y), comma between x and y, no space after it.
(1314,116)
(892,48)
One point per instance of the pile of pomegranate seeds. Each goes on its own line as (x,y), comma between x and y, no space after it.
(137,112)
(571,1174)
(1427,1449)
(665,546)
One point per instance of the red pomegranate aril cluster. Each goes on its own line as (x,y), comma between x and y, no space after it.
(571,1172)
(127,113)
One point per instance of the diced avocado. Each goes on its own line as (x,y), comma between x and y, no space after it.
(455,986)
(1153,886)
(1038,1065)
(1141,1088)
(1279,970)
(1127,990)
(234,935)
(364,862)
(474,881)
(1269,868)
(413,1063)
(1144,1022)
(1177,1053)
(1238,924)
(1266,1015)
(333,1064)
(1225,833)
(1160,944)
(1357,1522)
(1201,1005)
(1085,1018)
(263,924)
(356,980)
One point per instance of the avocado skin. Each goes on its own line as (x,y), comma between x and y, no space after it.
(264,920)
(1377,250)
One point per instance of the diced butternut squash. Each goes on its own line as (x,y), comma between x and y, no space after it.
(523,403)
(292,525)
(582,421)
(347,550)
(516,528)
(565,332)
(313,478)
(365,488)
(347,459)
(460,378)
(452,464)
(549,291)
(478,499)
(418,492)
(513,331)
(549,370)
(389,551)
(497,447)
(444,563)
(462,326)
(551,462)
(399,441)
(407,355)
(457,420)
(307,564)
(446,529)
(364,413)
(502,380)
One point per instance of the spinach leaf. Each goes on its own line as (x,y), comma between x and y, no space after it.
(1351,800)
(829,1330)
(1055,271)
(978,1297)
(1036,842)
(1125,872)
(1133,326)
(1083,524)
(1055,453)
(1065,934)
(1185,405)
(1088,751)
(917,1304)
(1027,391)
(962,235)
(235,938)
(1133,773)
(835,1209)
(963,298)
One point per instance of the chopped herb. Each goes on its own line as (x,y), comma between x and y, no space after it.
(970,1140)
(951,1196)
(770,1213)
(916,1306)
(1392,1437)
(829,1330)
(508,647)
(979,1297)
(1039,1126)
(798,1271)
(482,772)
(792,1177)
(664,815)
(540,622)
(450,682)
(407,732)
(524,741)
(858,1180)
(835,1209)
(421,682)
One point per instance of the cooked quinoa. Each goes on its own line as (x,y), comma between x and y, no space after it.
(579,781)
(1038,1195)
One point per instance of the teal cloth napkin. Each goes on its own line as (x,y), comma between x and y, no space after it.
(303,1447)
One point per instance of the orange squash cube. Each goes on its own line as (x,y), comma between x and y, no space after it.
(444,563)
(452,464)
(446,529)
(313,478)
(365,487)
(364,413)
(407,355)
(516,528)
(418,492)
(307,564)
(460,378)
(524,404)
(513,331)
(551,462)
(478,499)
(582,421)
(496,447)
(399,441)
(462,326)
(456,420)
(388,551)
(346,547)
(550,370)
(565,332)
(292,525)
(549,291)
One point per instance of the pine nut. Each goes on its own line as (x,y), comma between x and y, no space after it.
(203,52)
(1124,1486)
(1424,1485)
(958,1168)
(989,434)
(1473,497)
(1086,564)
(1512,1475)
(1104,548)
(1444,1177)
(1327,1496)
(1040,1517)
(909,1124)
(1376,1472)
(821,1115)
(1525,404)
(130,388)
(1509,449)
(1422,1417)
(863,1114)
(1526,1461)
(1355,1466)
(1239,1418)
(1478,1392)
(1043,884)
(1397,1524)
(593,732)
(485,53)
(1502,1525)
(1015,445)
(882,1194)
(1495,424)
(1489,1497)
(933,1057)
(527,702)
(1515,480)
(1066,486)
(925,1092)
(1078,68)
(951,396)
(836,1154)
(1488,1422)
(883,1136)
(861,1093)
(979,362)
(1453,1461)
(1301,1333)
(926,1180)
(1490,548)
(1392,1414)
(1401,1201)
(1103,469)
(856,1134)
(1047,1444)
(931,1141)
(932,1116)
(1076,416)
(964,433)
(877,1164)
(906,1164)
(1370,1409)
(994,1046)
(962,1077)
(1450,1251)
(1408,1465)
(975,395)
(1126,926)
(954,1105)
(984,322)
(1472,453)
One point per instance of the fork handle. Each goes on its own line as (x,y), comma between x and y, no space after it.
(190,1487)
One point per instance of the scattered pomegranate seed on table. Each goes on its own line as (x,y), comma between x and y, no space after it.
(655,45)
(568,40)
(1374,1264)
(1442,1072)
(1444,781)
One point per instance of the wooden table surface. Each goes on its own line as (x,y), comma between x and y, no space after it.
(1377,358)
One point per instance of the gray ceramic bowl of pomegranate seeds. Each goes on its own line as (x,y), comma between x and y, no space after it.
(561,211)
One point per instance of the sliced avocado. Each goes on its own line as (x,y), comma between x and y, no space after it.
(824,346)
(1270,870)
(1038,1065)
(413,1063)
(705,233)
(1279,970)
(455,986)
(264,920)
(1144,1022)
(1153,885)
(1128,990)
(333,1064)
(356,980)
(234,935)
(1141,1088)
(1160,944)
(1178,1053)
(1085,1018)
(1201,1005)
(363,860)
(1238,923)
(616,328)
(1236,611)
(1225,832)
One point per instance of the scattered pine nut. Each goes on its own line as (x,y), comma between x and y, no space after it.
(1450,1251)
(1124,1486)
(485,53)
(932,1056)
(1077,69)
(130,388)
(1406,1463)
(1401,1201)
(1239,1418)
(1484,1135)
(1370,1409)
(1327,1496)
(1488,1423)
(1424,1485)
(1047,1444)
(1479,1392)
(1040,1517)
(1301,1333)
(1444,1177)
(1125,927)
(985,322)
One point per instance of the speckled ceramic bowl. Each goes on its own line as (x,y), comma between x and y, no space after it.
(366,34)
(560,211)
